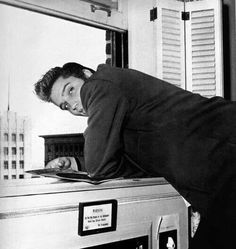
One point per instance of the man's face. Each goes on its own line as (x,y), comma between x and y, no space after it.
(65,94)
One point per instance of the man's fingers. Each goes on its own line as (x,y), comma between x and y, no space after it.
(55,163)
(60,162)
(64,163)
(67,163)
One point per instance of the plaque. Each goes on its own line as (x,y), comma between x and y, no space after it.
(97,217)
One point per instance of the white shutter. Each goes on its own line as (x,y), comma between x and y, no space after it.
(204,65)
(169,34)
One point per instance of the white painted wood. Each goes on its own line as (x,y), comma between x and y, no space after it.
(142,55)
(169,39)
(204,52)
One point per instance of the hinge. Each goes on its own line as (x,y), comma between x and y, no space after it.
(153,14)
(185,16)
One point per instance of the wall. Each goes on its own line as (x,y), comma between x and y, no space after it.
(142,54)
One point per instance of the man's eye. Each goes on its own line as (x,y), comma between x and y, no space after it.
(71,90)
(66,106)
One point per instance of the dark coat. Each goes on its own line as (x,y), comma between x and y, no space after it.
(141,126)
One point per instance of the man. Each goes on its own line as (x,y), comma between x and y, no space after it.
(140,126)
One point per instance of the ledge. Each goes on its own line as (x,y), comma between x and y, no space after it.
(44,195)
(43,185)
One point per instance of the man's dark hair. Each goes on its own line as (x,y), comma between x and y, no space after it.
(44,86)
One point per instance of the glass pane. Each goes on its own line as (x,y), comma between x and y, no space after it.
(31,44)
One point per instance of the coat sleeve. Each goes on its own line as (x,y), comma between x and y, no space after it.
(103,149)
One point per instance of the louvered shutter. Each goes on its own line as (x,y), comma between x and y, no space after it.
(169,33)
(204,48)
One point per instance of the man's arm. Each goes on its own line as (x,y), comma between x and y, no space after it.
(103,151)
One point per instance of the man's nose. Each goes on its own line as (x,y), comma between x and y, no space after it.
(73,106)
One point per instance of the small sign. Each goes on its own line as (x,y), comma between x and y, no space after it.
(97,217)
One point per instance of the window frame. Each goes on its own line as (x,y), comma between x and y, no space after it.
(116,25)
(81,12)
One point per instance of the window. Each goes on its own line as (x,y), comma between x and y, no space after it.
(5,164)
(5,150)
(54,42)
(21,137)
(5,177)
(13,177)
(13,150)
(56,148)
(21,164)
(76,147)
(21,176)
(13,164)
(6,137)
(81,150)
(21,151)
(13,137)
(61,148)
(71,148)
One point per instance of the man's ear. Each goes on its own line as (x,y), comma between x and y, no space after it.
(87,73)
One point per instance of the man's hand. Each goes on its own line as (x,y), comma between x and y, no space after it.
(60,163)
